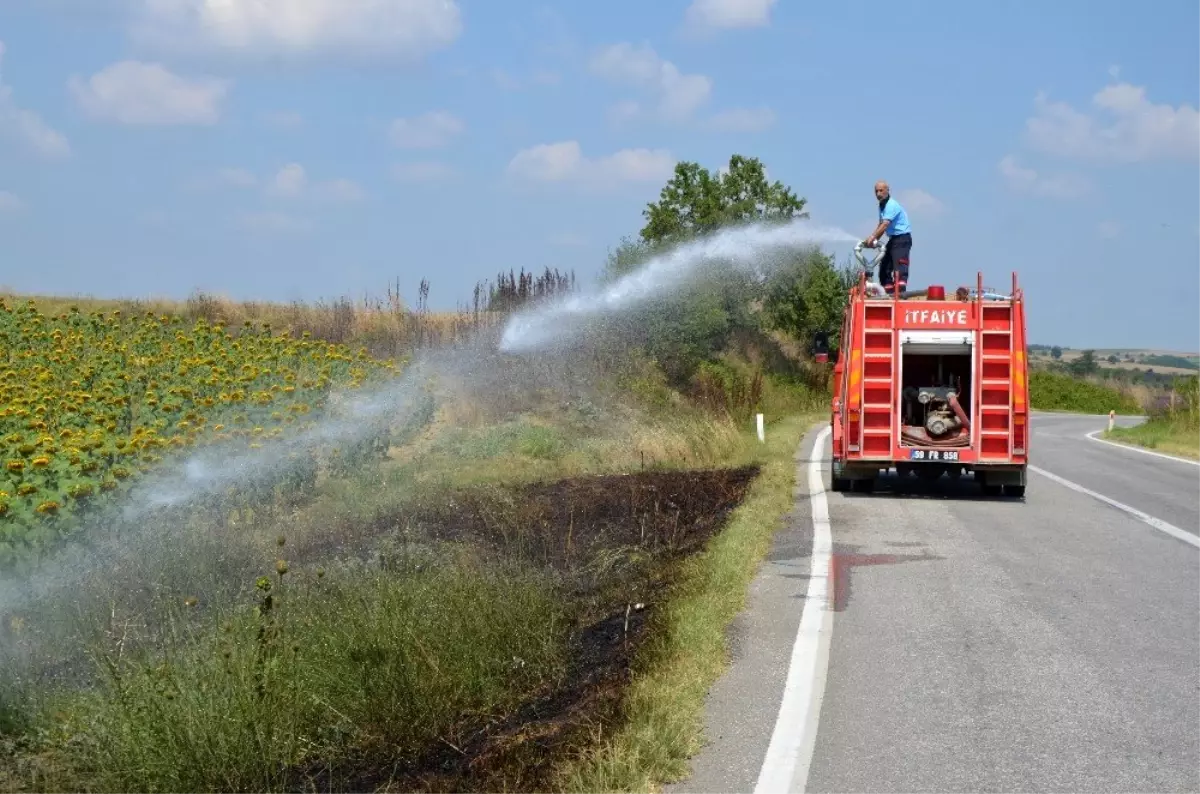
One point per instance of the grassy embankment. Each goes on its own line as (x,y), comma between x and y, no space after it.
(1172,428)
(1052,391)
(1172,422)
(441,620)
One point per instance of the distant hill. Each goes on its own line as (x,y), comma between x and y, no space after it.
(1165,362)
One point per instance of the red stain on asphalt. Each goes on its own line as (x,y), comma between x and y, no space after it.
(841,564)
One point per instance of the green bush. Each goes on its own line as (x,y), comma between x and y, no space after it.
(1050,391)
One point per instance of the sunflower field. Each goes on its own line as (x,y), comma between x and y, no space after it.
(89,403)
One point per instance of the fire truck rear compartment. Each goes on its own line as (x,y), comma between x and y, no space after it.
(935,399)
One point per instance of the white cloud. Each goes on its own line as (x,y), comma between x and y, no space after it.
(625,110)
(427,171)
(340,190)
(1027,180)
(724,14)
(236,177)
(27,125)
(292,182)
(677,95)
(427,131)
(10,202)
(405,28)
(289,182)
(270,222)
(1108,230)
(132,92)
(565,162)
(743,120)
(1124,127)
(918,202)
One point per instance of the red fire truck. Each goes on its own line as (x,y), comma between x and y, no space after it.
(930,385)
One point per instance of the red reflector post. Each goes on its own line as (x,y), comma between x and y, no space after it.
(936,292)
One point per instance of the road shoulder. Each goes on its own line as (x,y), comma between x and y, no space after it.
(742,706)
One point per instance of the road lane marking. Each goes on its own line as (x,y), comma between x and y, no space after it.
(1146,518)
(789,755)
(1093,436)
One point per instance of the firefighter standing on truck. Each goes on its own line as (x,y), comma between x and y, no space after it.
(893,267)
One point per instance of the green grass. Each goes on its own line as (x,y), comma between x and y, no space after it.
(664,711)
(1051,391)
(328,673)
(195,689)
(1172,436)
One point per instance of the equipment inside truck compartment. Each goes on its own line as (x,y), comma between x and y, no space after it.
(935,398)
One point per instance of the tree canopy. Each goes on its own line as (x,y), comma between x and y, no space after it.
(802,292)
(696,201)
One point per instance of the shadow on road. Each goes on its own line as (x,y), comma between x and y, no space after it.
(944,488)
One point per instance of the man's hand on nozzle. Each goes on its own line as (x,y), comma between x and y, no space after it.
(869,242)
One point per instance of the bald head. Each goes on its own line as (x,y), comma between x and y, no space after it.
(882,192)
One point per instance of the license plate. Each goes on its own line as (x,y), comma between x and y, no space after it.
(933,454)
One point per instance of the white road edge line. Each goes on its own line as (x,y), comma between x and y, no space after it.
(1146,518)
(1093,436)
(785,766)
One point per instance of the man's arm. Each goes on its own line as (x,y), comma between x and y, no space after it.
(875,235)
(890,211)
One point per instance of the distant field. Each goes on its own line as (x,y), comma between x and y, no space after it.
(1142,359)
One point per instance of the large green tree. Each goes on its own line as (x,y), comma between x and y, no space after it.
(808,295)
(696,201)
(802,292)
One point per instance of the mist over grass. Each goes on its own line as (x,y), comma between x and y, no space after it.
(186,639)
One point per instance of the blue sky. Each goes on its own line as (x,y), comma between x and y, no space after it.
(306,149)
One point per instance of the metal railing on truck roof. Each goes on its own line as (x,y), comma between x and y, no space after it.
(873,289)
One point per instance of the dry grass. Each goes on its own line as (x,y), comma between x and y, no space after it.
(386,326)
(663,725)
(479,440)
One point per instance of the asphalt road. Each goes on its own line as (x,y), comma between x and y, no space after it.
(961,643)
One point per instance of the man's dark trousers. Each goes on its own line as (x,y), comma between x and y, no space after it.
(893,267)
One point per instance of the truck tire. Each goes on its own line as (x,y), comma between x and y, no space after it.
(1017,491)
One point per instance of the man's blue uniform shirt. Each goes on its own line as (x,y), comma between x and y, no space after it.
(896,217)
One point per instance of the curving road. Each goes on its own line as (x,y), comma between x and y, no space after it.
(929,639)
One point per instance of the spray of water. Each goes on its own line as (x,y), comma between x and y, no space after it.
(745,247)
(129,529)
(132,534)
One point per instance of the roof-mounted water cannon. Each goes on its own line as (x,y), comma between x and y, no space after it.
(868,268)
